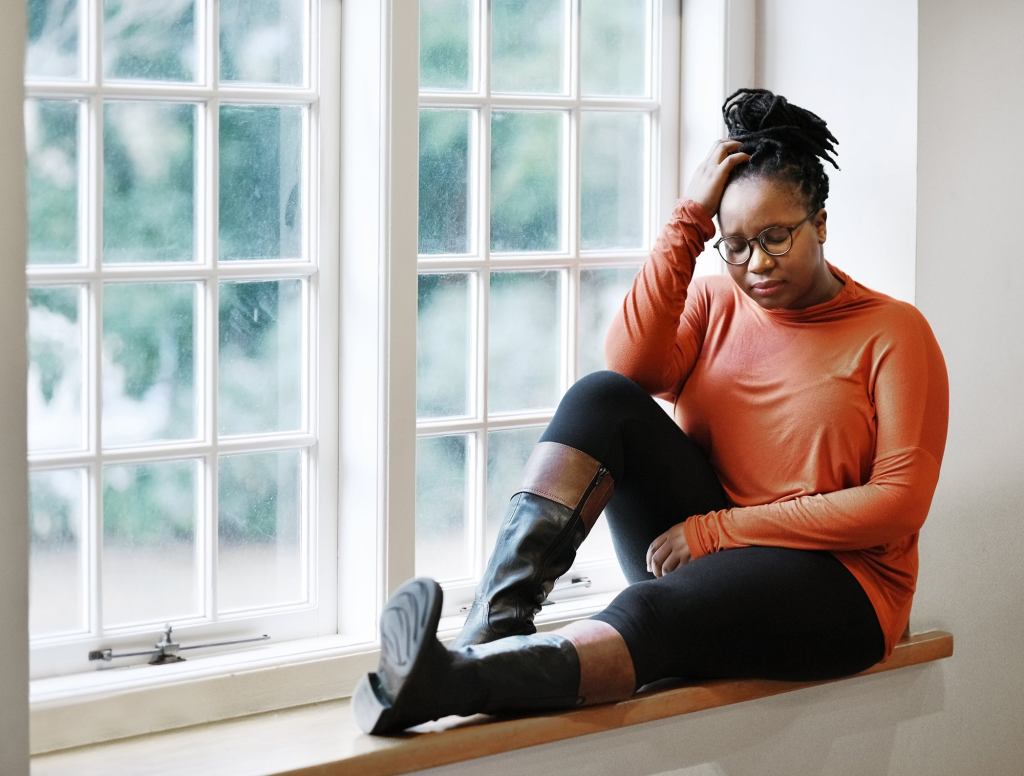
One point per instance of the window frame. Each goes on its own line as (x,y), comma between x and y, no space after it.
(659,109)
(375,322)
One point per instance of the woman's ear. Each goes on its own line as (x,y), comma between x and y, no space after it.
(819,225)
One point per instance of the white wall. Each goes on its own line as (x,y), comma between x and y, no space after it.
(970,179)
(948,183)
(13,523)
(855,65)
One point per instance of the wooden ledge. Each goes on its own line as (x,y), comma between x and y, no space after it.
(323,738)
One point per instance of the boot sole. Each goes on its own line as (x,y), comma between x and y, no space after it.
(407,625)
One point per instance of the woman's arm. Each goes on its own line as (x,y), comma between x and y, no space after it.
(911,403)
(650,340)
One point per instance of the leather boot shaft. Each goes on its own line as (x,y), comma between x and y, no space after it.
(563,492)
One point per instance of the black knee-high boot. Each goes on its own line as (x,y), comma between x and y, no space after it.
(418,680)
(562,495)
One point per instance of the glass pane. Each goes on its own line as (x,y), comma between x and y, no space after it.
(259,546)
(526,181)
(507,452)
(153,40)
(53,31)
(443,346)
(613,47)
(260,182)
(55,369)
(261,41)
(601,295)
(149,542)
(148,181)
(524,341)
(612,185)
(56,600)
(148,362)
(528,45)
(446,32)
(441,507)
(51,139)
(598,545)
(260,385)
(444,181)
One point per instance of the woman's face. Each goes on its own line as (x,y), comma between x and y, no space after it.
(798,279)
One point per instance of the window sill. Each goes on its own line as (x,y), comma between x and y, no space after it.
(323,738)
(103,705)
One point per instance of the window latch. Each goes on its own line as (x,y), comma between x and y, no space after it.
(166,650)
(573,582)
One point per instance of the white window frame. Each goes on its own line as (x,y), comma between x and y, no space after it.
(376,413)
(660,110)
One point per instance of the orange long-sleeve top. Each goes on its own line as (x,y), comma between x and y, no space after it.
(826,425)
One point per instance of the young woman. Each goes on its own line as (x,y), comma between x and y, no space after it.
(771,530)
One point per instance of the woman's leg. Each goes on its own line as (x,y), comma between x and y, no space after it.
(757,612)
(661,475)
(418,680)
(608,439)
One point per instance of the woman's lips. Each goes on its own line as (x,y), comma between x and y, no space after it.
(766,287)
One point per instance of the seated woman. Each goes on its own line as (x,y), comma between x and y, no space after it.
(771,530)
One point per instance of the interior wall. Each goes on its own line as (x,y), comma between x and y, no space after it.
(970,285)
(855,65)
(13,523)
(925,99)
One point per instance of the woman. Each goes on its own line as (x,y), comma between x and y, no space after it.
(771,531)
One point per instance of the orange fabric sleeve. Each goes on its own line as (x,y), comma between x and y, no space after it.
(657,333)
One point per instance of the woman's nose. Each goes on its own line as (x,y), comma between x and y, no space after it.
(760,261)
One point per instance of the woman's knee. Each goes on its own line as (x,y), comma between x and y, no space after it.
(602,391)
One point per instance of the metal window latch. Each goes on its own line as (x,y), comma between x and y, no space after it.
(166,650)
(574,582)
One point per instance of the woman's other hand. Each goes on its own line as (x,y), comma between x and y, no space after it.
(668,552)
(708,182)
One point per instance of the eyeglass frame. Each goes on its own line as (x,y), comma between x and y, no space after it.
(759,239)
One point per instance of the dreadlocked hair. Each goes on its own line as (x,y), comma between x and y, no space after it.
(785,142)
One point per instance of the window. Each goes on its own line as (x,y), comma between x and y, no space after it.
(544,128)
(334,282)
(176,324)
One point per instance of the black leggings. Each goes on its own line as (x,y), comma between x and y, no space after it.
(754,612)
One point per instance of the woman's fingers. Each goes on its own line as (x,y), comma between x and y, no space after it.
(709,179)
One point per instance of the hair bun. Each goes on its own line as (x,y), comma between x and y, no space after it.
(758,117)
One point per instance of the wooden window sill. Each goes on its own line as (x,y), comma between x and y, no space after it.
(322,738)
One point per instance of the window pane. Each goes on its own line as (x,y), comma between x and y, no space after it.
(148,181)
(524,341)
(260,179)
(612,187)
(445,44)
(507,452)
(526,181)
(55,369)
(601,295)
(613,47)
(149,542)
(261,41)
(259,549)
(51,139)
(56,593)
(528,46)
(260,357)
(153,40)
(443,345)
(148,362)
(53,32)
(444,181)
(441,506)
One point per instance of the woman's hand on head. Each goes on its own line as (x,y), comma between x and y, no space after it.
(708,181)
(668,552)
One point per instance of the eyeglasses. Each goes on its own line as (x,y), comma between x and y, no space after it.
(775,241)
